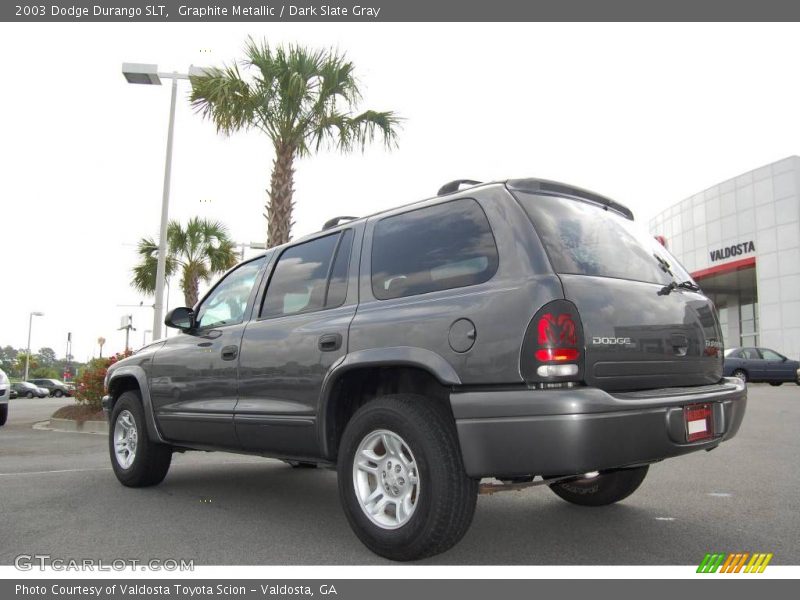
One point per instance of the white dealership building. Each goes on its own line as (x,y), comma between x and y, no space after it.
(740,240)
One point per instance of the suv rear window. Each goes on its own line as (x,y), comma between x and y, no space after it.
(445,246)
(582,238)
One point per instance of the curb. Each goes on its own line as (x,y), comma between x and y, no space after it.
(71,426)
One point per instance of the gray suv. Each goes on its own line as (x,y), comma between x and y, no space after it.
(524,331)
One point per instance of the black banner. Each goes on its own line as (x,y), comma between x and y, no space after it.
(399,10)
(387,589)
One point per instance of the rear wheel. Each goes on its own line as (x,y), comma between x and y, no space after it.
(137,460)
(401,479)
(3,414)
(605,488)
(741,374)
(775,383)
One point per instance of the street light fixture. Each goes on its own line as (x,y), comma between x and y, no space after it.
(28,349)
(147,74)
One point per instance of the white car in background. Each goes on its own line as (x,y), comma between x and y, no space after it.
(5,395)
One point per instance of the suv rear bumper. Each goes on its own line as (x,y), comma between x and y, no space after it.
(564,432)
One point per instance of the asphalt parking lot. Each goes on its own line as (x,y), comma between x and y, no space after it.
(58,496)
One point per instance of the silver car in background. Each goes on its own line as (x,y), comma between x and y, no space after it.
(5,395)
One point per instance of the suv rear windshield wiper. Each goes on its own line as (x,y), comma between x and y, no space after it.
(683,285)
(665,266)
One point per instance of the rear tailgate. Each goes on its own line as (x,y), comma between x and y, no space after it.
(637,333)
(638,339)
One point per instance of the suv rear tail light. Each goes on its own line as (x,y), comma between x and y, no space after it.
(557,354)
(553,347)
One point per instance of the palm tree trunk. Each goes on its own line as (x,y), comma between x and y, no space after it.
(280,206)
(191,287)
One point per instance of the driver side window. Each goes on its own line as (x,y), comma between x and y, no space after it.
(226,304)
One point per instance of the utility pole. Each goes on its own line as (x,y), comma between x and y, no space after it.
(252,246)
(127,324)
(68,357)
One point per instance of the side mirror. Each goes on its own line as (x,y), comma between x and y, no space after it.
(180,318)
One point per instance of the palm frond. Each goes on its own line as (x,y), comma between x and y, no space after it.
(225,98)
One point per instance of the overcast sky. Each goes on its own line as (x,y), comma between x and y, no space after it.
(646,114)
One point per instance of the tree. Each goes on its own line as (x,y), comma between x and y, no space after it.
(46,357)
(201,250)
(8,360)
(302,99)
(20,366)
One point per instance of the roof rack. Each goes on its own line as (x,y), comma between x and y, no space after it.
(335,221)
(454,186)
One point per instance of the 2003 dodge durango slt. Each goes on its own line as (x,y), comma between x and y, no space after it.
(525,331)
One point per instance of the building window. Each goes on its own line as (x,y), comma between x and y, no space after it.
(748,324)
(723,321)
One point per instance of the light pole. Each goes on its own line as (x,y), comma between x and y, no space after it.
(149,75)
(28,349)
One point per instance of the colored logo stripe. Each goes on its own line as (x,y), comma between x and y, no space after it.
(711,563)
(734,562)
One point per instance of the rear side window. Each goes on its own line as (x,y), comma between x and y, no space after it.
(584,239)
(300,282)
(337,288)
(445,246)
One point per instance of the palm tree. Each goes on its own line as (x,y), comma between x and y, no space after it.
(202,250)
(303,99)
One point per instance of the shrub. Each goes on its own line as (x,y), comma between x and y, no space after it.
(89,384)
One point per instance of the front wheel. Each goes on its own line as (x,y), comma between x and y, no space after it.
(3,414)
(775,383)
(605,488)
(29,395)
(58,393)
(136,459)
(401,478)
(741,374)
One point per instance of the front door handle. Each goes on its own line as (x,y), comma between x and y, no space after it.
(330,342)
(230,352)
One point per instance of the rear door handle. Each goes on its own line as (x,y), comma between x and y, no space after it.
(230,352)
(330,342)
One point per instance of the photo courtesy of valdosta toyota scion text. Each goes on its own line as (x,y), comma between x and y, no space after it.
(325,288)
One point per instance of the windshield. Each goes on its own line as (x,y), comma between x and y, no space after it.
(730,351)
(582,238)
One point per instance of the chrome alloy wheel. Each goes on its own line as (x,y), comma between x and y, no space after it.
(386,479)
(126,438)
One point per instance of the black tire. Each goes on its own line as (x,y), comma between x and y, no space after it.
(58,393)
(741,374)
(446,497)
(606,488)
(151,460)
(29,395)
(775,383)
(3,414)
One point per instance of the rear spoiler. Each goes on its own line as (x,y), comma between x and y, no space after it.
(553,188)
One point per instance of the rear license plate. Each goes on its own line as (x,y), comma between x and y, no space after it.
(699,420)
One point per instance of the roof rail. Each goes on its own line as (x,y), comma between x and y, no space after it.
(454,186)
(335,221)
